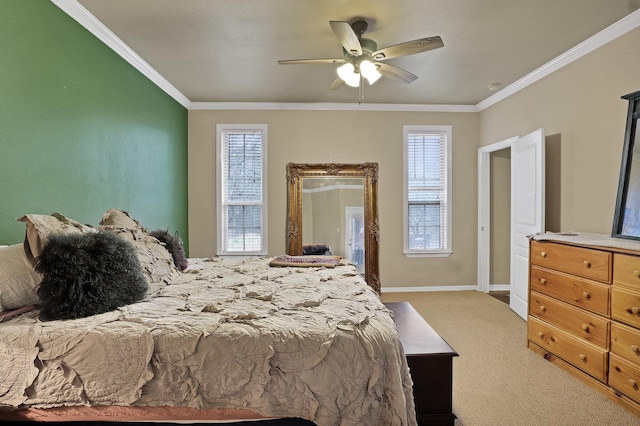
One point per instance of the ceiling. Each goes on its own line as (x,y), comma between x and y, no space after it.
(227,50)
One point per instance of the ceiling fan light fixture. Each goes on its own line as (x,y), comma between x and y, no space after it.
(353,80)
(373,79)
(345,71)
(348,74)
(369,71)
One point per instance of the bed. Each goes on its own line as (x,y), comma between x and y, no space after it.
(216,339)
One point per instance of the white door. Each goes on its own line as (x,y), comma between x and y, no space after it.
(354,239)
(527,212)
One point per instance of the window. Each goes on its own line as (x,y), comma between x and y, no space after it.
(241,189)
(427,195)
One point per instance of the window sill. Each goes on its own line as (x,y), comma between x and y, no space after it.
(242,254)
(443,253)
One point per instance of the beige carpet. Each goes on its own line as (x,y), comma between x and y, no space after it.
(497,379)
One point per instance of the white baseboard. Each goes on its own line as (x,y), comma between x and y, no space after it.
(492,287)
(427,289)
(499,287)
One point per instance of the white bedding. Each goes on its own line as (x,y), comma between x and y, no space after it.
(314,343)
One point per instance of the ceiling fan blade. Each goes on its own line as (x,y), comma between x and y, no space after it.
(336,84)
(395,73)
(408,48)
(311,61)
(347,37)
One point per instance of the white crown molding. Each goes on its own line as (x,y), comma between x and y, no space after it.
(320,106)
(76,11)
(612,32)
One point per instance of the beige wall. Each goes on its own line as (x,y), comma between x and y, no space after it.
(580,109)
(344,137)
(500,221)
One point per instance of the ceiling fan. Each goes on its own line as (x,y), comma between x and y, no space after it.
(363,60)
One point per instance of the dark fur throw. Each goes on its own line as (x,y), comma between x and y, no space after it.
(174,245)
(88,274)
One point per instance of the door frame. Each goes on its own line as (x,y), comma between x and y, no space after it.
(484,209)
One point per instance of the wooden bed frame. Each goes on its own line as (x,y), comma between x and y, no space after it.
(430,361)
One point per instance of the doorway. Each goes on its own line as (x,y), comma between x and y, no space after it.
(354,241)
(500,224)
(491,249)
(520,161)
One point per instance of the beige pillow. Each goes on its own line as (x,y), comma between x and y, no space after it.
(40,226)
(157,262)
(18,278)
(119,219)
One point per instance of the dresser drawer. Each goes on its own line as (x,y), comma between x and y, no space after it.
(625,342)
(624,376)
(577,322)
(585,356)
(577,291)
(587,263)
(626,270)
(625,305)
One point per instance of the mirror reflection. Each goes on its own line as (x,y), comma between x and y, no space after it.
(333,218)
(631,214)
(626,222)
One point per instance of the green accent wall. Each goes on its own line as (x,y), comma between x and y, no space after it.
(81,130)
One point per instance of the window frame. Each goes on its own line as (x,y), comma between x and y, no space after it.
(221,229)
(446,249)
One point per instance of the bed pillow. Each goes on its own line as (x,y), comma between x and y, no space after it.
(40,227)
(119,219)
(88,274)
(174,245)
(18,278)
(157,263)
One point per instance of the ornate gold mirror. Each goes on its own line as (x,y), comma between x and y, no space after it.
(334,208)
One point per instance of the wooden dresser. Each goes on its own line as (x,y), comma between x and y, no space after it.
(584,311)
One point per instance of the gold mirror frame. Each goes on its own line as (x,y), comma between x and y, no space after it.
(369,174)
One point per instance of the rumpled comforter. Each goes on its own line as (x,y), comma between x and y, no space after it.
(314,343)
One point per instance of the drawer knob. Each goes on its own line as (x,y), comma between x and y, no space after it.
(585,327)
(543,308)
(583,357)
(586,295)
(633,383)
(543,254)
(634,348)
(543,281)
(587,264)
(540,334)
(636,272)
(635,310)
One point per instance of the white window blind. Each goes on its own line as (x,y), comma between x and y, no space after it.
(241,188)
(427,205)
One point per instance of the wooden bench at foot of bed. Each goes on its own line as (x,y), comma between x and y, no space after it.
(430,361)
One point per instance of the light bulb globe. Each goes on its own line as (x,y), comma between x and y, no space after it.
(345,71)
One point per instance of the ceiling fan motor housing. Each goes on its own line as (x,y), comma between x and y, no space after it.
(359,27)
(368,47)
